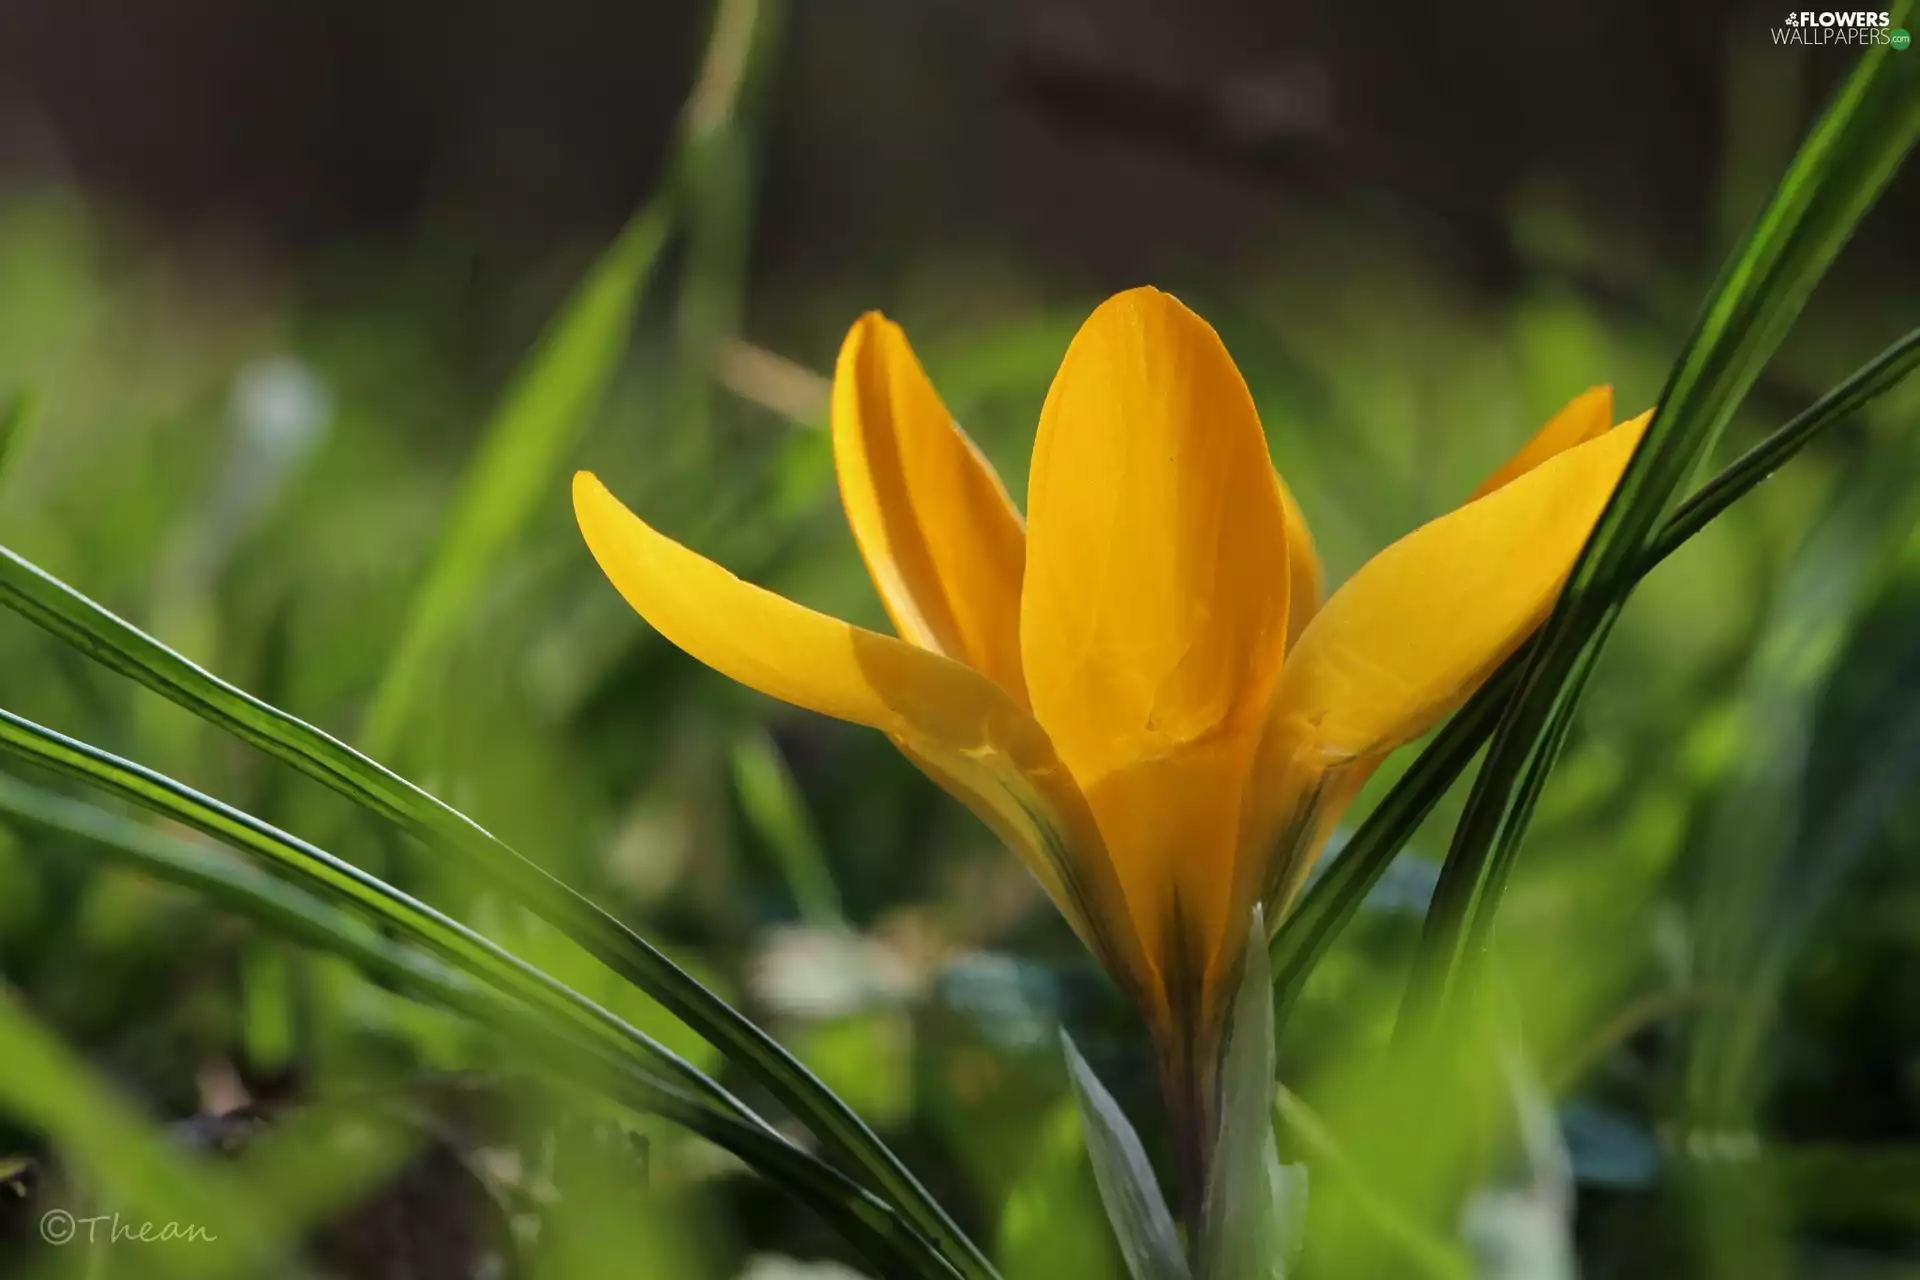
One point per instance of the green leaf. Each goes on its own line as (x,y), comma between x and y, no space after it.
(225,881)
(522,457)
(118,644)
(519,464)
(347,885)
(1137,1211)
(713,180)
(737,51)
(1852,154)
(563,1049)
(1861,388)
(1327,905)
(1331,900)
(1255,1211)
(528,436)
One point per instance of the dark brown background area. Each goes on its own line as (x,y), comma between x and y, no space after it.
(1102,136)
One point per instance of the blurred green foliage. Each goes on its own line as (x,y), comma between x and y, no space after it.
(1708,949)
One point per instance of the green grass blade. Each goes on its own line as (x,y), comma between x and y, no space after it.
(522,458)
(1878,376)
(520,464)
(16,417)
(303,918)
(777,811)
(348,885)
(743,37)
(1325,908)
(224,881)
(118,644)
(1852,154)
(713,183)
(1333,899)
(1136,1210)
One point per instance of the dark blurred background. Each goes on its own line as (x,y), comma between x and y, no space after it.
(1091,143)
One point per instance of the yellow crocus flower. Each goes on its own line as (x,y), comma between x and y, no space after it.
(1137,688)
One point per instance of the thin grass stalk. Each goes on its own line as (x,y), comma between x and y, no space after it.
(301,917)
(348,885)
(110,640)
(1332,900)
(1851,155)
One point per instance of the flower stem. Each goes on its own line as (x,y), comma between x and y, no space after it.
(1190,1085)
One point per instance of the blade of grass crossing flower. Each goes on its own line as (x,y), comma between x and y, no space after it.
(1137,1211)
(115,643)
(1852,153)
(1866,384)
(1332,900)
(522,456)
(303,918)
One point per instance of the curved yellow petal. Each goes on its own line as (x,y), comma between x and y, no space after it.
(941,539)
(1156,586)
(1154,613)
(962,728)
(1424,622)
(1583,418)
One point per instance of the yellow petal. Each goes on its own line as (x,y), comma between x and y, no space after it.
(1171,826)
(1303,566)
(1583,418)
(968,734)
(939,534)
(1425,621)
(1155,603)
(1154,613)
(1295,801)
